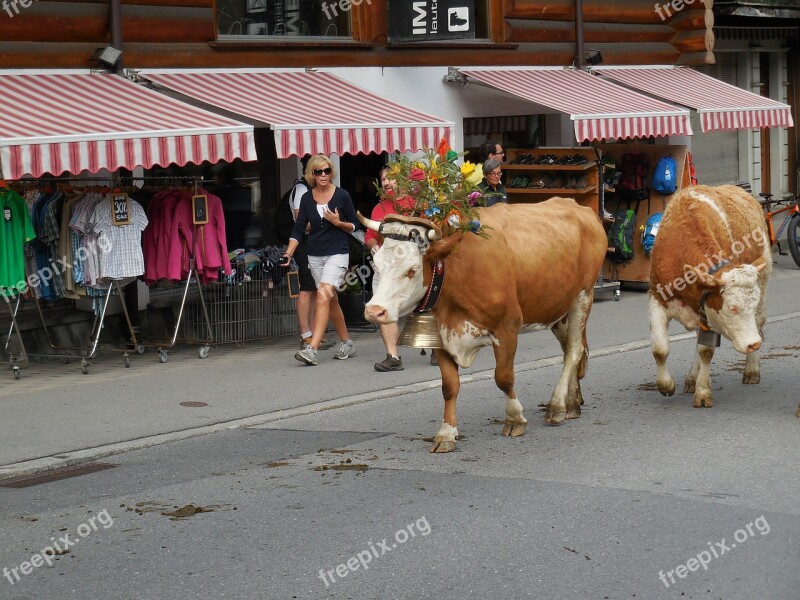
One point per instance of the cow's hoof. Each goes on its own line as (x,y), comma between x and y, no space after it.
(554,417)
(703,401)
(689,386)
(445,446)
(514,429)
(574,413)
(751,378)
(666,390)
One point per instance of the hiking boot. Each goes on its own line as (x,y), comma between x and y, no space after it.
(346,350)
(307,355)
(390,363)
(456,21)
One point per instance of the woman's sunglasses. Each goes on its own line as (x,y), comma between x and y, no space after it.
(326,171)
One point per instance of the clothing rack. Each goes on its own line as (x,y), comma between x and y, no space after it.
(164,346)
(21,356)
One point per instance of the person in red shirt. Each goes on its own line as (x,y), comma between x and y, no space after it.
(372,240)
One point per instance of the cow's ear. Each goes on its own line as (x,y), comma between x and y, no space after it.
(702,276)
(442,248)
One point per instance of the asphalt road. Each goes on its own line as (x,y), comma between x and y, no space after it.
(642,497)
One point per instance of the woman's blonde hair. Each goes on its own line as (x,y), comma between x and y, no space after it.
(315,162)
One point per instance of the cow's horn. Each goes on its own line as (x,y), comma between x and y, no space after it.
(369,223)
(434,233)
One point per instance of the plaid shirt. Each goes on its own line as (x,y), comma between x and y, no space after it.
(119,246)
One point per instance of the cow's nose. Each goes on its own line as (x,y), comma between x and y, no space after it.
(375,313)
(753,347)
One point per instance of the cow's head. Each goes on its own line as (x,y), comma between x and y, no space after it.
(399,262)
(732,303)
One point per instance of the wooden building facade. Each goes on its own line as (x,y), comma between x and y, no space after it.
(214,33)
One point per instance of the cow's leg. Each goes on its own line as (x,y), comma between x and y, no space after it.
(752,368)
(445,439)
(659,340)
(560,331)
(702,391)
(504,351)
(690,381)
(565,402)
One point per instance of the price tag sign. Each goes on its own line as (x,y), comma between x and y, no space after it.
(7,214)
(200,209)
(120,209)
(293,279)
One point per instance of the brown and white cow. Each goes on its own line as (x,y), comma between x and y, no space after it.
(709,270)
(535,270)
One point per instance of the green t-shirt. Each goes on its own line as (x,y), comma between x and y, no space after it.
(16,230)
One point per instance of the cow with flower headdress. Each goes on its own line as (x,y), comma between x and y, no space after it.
(486,275)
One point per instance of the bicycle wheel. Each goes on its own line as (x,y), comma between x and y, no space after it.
(793,235)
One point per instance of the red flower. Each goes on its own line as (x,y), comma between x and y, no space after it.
(443,148)
(417,175)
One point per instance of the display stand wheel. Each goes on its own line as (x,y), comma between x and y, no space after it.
(65,360)
(16,372)
(617,295)
(127,360)
(140,349)
(84,367)
(163,355)
(202,352)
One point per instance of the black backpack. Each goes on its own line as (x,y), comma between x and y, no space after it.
(284,216)
(633,181)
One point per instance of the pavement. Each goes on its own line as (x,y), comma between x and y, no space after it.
(55,416)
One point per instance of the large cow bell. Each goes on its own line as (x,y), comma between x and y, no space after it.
(421,331)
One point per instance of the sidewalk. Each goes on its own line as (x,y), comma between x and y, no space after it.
(56,416)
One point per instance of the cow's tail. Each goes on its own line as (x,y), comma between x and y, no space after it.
(583,365)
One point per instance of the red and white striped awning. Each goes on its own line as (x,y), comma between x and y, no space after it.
(720,105)
(312,112)
(600,110)
(71,122)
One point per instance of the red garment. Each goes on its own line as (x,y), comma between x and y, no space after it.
(210,246)
(383,208)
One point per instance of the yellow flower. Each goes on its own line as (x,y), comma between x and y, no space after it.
(467,168)
(476,176)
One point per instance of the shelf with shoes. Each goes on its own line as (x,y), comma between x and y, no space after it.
(533,174)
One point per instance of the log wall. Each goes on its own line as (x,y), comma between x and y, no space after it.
(181,33)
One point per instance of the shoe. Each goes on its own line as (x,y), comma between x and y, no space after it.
(434,362)
(325,344)
(307,355)
(390,363)
(456,21)
(346,350)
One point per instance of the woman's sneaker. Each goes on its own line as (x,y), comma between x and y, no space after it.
(307,355)
(390,363)
(346,350)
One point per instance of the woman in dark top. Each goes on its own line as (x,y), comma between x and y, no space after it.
(491,188)
(330,212)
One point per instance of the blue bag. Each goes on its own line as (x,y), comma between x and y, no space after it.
(665,176)
(650,231)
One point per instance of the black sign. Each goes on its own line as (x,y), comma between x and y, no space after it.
(120,209)
(200,209)
(416,20)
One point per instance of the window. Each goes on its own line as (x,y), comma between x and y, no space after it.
(265,19)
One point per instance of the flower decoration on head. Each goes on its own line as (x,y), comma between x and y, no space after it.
(440,189)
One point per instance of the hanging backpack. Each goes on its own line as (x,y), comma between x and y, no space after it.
(692,170)
(620,236)
(665,176)
(633,180)
(650,232)
(284,216)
